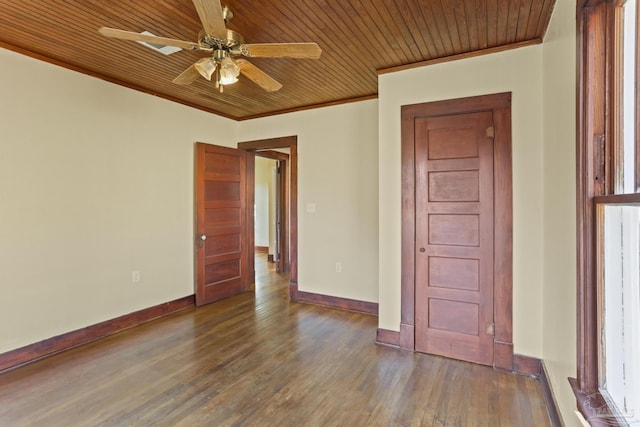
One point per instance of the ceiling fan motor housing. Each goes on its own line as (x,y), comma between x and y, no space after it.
(234,40)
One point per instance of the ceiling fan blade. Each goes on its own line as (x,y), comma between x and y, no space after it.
(257,76)
(188,76)
(212,18)
(129,35)
(282,50)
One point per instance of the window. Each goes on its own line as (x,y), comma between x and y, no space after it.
(618,239)
(608,197)
(626,107)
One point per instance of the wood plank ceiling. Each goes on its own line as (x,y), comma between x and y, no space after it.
(358,38)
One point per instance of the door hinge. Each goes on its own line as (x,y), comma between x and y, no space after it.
(491,132)
(491,329)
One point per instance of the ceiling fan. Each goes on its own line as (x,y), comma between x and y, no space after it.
(223,45)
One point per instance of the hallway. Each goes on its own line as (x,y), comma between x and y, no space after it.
(259,360)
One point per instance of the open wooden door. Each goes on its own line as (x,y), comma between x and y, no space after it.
(281,192)
(222,267)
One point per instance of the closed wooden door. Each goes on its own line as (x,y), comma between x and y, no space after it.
(454,236)
(222,267)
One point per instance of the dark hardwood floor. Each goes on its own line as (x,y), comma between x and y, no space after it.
(258,360)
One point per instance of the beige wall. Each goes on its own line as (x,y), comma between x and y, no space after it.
(559,216)
(262,197)
(517,71)
(337,171)
(96,181)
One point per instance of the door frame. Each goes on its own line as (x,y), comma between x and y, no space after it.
(290,142)
(500,106)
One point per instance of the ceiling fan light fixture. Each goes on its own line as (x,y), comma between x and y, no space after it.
(229,71)
(206,67)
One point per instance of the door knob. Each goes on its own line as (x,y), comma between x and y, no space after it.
(203,237)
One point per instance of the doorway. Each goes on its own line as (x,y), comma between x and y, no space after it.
(457,229)
(270,200)
(288,235)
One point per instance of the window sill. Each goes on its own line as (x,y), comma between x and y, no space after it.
(594,407)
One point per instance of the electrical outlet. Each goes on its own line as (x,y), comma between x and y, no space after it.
(135,276)
(338,267)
